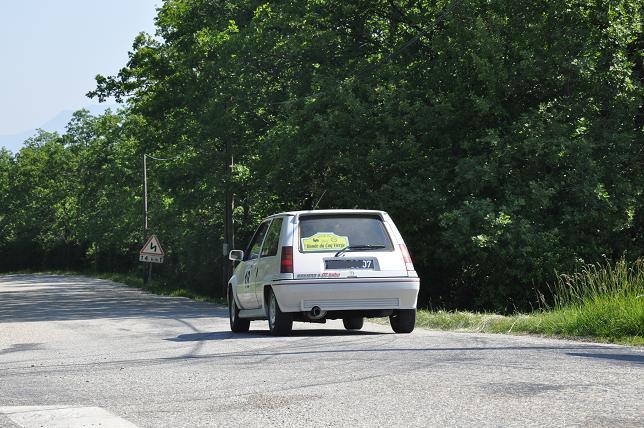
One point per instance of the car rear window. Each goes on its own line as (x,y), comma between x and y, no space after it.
(334,232)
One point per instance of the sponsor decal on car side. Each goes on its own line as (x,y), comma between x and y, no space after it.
(318,275)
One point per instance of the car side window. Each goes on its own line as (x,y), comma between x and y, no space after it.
(272,239)
(256,243)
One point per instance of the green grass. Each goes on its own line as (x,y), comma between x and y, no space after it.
(600,302)
(547,323)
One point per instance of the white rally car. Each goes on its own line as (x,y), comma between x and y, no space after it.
(311,266)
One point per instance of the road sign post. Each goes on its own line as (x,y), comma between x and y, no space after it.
(153,258)
(147,272)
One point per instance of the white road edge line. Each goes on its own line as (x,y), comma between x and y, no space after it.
(63,416)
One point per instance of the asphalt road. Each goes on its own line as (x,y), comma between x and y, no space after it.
(83,352)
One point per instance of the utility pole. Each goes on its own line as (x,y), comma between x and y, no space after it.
(229,233)
(147,273)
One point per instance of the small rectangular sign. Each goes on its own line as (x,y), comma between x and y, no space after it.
(150,258)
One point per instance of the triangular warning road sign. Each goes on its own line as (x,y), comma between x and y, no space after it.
(152,247)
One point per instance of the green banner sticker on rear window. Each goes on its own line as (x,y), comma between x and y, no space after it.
(322,241)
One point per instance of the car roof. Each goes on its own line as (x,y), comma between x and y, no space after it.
(322,212)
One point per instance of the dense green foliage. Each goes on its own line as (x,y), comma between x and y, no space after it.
(504,137)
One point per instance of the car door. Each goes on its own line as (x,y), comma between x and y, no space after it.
(269,261)
(245,290)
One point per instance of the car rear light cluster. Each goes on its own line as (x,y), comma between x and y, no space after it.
(287,260)
(406,257)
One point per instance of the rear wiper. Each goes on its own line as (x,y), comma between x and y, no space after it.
(359,247)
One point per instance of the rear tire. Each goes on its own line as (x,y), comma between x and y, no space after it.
(279,323)
(237,325)
(403,320)
(354,323)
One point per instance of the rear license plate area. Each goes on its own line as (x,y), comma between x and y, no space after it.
(340,264)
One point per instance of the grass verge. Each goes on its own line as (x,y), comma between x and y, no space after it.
(561,324)
(136,281)
(600,302)
(158,288)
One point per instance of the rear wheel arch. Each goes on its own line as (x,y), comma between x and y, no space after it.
(267,294)
(279,323)
(231,293)
(237,325)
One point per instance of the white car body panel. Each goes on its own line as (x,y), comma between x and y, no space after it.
(347,294)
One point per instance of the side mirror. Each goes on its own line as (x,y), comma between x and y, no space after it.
(236,255)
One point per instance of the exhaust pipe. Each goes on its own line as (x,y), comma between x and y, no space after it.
(316,313)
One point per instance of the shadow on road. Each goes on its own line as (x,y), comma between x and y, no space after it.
(57,297)
(289,349)
(630,358)
(224,335)
(22,347)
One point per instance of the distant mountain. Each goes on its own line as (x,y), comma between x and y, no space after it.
(56,124)
(14,142)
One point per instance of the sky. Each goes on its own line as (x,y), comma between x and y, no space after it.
(51,50)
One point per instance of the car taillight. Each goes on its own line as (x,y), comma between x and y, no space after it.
(406,257)
(287,260)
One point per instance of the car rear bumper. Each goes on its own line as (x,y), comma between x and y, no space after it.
(347,294)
